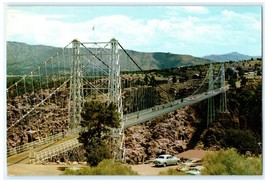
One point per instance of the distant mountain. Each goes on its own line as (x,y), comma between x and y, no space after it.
(233,56)
(22,58)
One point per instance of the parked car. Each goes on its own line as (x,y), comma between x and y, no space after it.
(165,160)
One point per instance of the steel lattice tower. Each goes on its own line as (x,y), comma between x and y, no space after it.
(114,86)
(74,110)
(211,108)
(223,105)
(114,91)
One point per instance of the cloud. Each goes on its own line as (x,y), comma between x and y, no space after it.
(44,29)
(180,33)
(244,20)
(196,9)
(189,9)
(51,30)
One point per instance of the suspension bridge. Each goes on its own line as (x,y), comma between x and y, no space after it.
(46,104)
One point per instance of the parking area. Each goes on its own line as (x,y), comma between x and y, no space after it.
(189,164)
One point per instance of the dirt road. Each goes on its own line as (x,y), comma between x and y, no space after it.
(21,168)
(35,170)
(151,170)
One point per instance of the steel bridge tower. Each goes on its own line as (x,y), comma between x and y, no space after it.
(223,105)
(114,91)
(211,108)
(75,99)
(114,84)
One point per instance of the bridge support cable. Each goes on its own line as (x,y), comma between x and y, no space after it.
(149,79)
(39,66)
(200,86)
(35,97)
(211,107)
(113,86)
(29,93)
(46,104)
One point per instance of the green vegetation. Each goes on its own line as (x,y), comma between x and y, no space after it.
(242,140)
(245,103)
(98,119)
(32,84)
(105,167)
(229,162)
(172,171)
(241,126)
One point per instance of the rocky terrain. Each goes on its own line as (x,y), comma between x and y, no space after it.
(167,134)
(42,122)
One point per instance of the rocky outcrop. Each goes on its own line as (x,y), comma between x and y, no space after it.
(168,134)
(41,122)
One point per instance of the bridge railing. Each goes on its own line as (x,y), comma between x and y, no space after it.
(42,141)
(37,157)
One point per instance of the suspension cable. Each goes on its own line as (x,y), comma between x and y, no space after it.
(140,67)
(36,69)
(45,99)
(95,55)
(201,83)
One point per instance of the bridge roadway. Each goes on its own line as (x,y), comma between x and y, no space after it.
(129,120)
(156,111)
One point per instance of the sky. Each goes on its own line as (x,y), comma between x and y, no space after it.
(193,30)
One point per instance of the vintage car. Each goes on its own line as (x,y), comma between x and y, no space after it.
(164,160)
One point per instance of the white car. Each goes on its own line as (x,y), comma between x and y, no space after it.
(165,160)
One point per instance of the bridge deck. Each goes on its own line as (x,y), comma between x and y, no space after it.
(24,156)
(130,120)
(145,115)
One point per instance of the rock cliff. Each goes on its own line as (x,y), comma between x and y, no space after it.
(168,134)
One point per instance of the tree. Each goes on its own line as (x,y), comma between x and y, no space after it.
(146,79)
(242,140)
(153,81)
(244,81)
(174,79)
(97,120)
(232,83)
(241,72)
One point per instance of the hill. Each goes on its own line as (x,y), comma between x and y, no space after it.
(233,56)
(22,58)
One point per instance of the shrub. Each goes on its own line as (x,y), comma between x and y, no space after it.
(241,140)
(172,171)
(229,162)
(105,167)
(98,152)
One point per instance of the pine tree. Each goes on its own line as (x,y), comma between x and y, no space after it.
(98,119)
